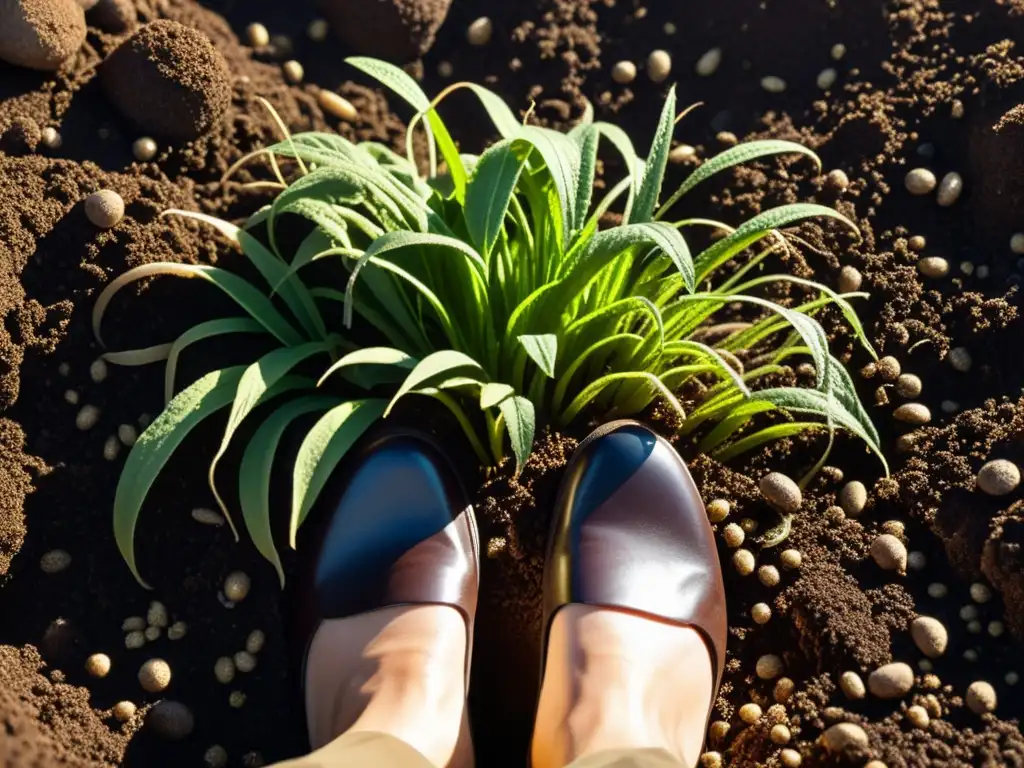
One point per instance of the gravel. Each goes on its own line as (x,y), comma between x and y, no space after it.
(889,553)
(852,686)
(920,181)
(999,477)
(659,66)
(891,681)
(929,636)
(981,697)
(843,736)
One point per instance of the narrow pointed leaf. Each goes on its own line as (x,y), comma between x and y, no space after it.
(492,393)
(561,155)
(143,356)
(543,350)
(437,367)
(198,333)
(520,421)
(372,356)
(657,160)
(490,190)
(588,137)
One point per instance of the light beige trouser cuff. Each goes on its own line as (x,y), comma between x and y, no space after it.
(366,749)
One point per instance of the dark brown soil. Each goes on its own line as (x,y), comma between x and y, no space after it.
(924,83)
(397,30)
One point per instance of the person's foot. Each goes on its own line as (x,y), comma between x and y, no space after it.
(387,599)
(634,605)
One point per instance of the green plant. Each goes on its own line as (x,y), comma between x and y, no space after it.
(491,286)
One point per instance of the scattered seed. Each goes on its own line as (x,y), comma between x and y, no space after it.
(155,675)
(853,498)
(659,65)
(949,406)
(236,586)
(750,713)
(54,561)
(780,734)
(1012,678)
(889,368)
(244,661)
(152,634)
(718,510)
(98,665)
(790,758)
(950,187)
(956,110)
(999,477)
(711,760)
(177,630)
(852,686)
(624,72)
(967,267)
(913,413)
(908,385)
(925,665)
(144,149)
(104,208)
(337,105)
(920,181)
(708,63)
(843,736)
(728,139)
(258,35)
(170,720)
(255,641)
(996,629)
(869,371)
(749,526)
(981,697)
(743,562)
(929,636)
(784,688)
(683,153)
(157,615)
(850,279)
(933,266)
(111,448)
(791,559)
(982,271)
(135,639)
(889,553)
(480,31)
(760,613)
(968,612)
(781,492)
(838,51)
(970,655)
(124,711)
(916,561)
(133,624)
(974,627)
(144,420)
(1017,243)
(837,179)
(960,359)
(768,575)
(207,516)
(71,397)
(87,417)
(64,369)
(891,681)
(773,84)
(293,71)
(769,666)
(827,78)
(980,593)
(733,535)
(51,139)
(236,699)
(917,243)
(224,669)
(317,30)
(718,731)
(215,757)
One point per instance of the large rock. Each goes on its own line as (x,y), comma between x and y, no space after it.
(40,34)
(398,30)
(169,80)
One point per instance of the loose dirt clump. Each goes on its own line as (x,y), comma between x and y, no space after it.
(398,30)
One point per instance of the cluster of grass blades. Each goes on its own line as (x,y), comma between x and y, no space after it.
(494,291)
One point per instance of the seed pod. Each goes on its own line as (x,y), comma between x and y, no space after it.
(781,492)
(733,535)
(915,414)
(337,105)
(743,562)
(768,575)
(718,510)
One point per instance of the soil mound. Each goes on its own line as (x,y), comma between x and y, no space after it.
(399,30)
(40,34)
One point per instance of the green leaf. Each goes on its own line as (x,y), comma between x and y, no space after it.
(766,435)
(437,367)
(543,350)
(321,450)
(253,388)
(593,389)
(620,140)
(255,472)
(200,332)
(490,190)
(561,155)
(250,299)
(492,393)
(502,117)
(657,161)
(144,356)
(520,421)
(741,153)
(155,446)
(587,137)
(372,356)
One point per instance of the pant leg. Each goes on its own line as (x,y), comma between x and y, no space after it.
(363,749)
(629,758)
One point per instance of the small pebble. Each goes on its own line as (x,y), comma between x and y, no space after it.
(480,31)
(708,63)
(157,615)
(783,689)
(838,51)
(727,138)
(773,84)
(659,66)
(51,138)
(981,697)
(124,711)
(152,634)
(71,397)
(155,675)
(891,681)
(624,72)
(916,561)
(920,181)
(244,661)
(733,535)
(929,636)
(996,629)
(170,720)
(134,639)
(743,562)
(980,593)
(917,243)
(933,266)
(236,586)
(111,448)
(960,359)
(337,105)
(750,713)
(133,624)
(853,498)
(790,758)
(950,187)
(144,149)
(87,417)
(968,612)
(769,666)
(258,35)
(780,734)
(915,414)
(317,30)
(908,385)
(843,736)
(207,516)
(760,613)
(293,71)
(177,630)
(999,477)
(216,757)
(791,559)
(54,561)
(781,492)
(104,208)
(768,575)
(255,641)
(850,279)
(838,179)
(827,78)
(224,669)
(1017,243)
(127,435)
(98,665)
(718,510)
(683,153)
(236,699)
(852,686)
(889,553)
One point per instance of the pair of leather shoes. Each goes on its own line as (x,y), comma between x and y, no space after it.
(629,532)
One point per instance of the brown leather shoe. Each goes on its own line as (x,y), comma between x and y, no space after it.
(630,531)
(395,528)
